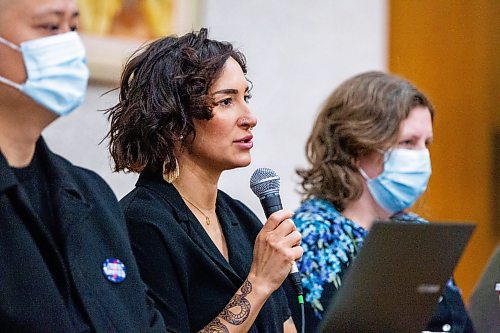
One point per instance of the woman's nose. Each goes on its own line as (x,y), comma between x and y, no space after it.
(252,121)
(248,120)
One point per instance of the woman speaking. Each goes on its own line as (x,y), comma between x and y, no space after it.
(182,119)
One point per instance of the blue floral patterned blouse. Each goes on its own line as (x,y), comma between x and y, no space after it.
(331,242)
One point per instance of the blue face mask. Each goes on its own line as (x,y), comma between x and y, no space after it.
(405,177)
(57,72)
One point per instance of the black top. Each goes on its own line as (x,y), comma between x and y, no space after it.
(92,229)
(34,180)
(190,280)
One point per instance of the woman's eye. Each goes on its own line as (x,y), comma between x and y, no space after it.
(248,98)
(73,28)
(405,143)
(225,102)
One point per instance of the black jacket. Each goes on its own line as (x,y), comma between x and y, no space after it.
(190,280)
(93,230)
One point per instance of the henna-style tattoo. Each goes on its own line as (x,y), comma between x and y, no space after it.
(215,326)
(231,317)
(238,301)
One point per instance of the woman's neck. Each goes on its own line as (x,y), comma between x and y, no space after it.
(197,184)
(364,211)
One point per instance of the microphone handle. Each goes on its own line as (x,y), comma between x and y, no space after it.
(272,203)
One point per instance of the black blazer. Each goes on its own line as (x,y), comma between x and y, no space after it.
(190,280)
(93,230)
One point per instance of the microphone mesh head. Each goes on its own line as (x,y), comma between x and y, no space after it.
(264,181)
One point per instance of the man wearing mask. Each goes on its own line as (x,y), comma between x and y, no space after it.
(65,259)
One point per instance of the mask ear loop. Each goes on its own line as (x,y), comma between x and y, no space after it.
(11,83)
(10,44)
(384,153)
(5,80)
(363,174)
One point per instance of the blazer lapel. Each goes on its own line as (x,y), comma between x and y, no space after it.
(71,207)
(237,239)
(205,243)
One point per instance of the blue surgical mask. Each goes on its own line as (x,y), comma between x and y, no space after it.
(57,72)
(404,179)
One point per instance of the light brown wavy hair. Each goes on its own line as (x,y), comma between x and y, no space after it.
(362,115)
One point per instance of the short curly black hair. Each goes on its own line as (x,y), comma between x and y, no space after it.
(164,87)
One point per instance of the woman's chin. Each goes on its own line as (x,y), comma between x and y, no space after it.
(240,164)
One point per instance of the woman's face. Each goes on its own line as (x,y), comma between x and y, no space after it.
(415,133)
(224,141)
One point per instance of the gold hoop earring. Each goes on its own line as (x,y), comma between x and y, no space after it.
(170,176)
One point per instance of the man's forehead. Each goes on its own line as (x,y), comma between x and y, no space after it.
(39,7)
(4,4)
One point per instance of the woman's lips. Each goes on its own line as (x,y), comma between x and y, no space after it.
(245,142)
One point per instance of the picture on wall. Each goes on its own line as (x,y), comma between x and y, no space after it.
(113,29)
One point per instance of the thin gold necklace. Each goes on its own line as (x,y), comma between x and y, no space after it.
(207,219)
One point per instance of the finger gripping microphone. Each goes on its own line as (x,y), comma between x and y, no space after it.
(265,183)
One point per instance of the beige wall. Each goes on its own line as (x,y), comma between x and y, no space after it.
(296,55)
(450,49)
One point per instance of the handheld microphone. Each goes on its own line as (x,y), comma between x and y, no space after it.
(265,183)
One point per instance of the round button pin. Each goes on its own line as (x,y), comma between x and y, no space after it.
(114,270)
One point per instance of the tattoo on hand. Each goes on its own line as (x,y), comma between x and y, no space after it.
(238,301)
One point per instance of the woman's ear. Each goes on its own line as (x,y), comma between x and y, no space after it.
(371,162)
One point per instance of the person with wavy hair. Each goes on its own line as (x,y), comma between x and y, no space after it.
(368,160)
(182,119)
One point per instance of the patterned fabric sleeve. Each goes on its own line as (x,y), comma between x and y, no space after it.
(329,245)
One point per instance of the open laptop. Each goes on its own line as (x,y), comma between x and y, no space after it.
(396,280)
(484,304)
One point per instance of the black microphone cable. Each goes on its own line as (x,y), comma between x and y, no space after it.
(265,183)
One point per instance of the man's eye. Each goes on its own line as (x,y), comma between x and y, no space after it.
(49,27)
(52,27)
